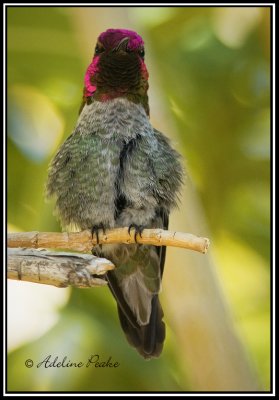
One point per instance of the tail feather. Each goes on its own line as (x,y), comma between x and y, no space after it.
(121,303)
(154,334)
(147,339)
(140,312)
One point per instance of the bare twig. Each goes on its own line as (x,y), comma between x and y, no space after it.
(57,268)
(83,241)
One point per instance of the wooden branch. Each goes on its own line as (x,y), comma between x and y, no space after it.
(82,241)
(80,270)
(57,269)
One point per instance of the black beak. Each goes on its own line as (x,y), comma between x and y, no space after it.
(122,45)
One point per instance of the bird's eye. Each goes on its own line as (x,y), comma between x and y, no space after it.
(141,53)
(99,49)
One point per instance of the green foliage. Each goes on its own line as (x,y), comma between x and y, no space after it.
(219,89)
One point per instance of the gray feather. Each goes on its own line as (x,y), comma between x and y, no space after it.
(117,170)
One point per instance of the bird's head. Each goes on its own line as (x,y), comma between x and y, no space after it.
(117,68)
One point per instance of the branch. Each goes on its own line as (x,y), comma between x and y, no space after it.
(82,241)
(57,269)
(80,270)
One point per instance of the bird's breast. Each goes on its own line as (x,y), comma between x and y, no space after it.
(118,119)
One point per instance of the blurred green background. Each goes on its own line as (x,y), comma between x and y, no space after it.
(210,92)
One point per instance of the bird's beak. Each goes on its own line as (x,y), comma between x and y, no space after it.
(122,45)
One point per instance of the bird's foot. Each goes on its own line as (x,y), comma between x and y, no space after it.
(138,230)
(97,251)
(95,230)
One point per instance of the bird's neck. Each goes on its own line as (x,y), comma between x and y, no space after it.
(107,94)
(105,82)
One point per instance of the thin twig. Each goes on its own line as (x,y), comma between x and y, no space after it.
(83,241)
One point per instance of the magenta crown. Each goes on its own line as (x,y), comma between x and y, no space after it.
(111,37)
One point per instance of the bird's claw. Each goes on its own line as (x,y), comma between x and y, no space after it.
(138,230)
(96,229)
(97,251)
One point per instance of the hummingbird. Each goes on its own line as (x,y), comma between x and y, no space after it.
(116,170)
